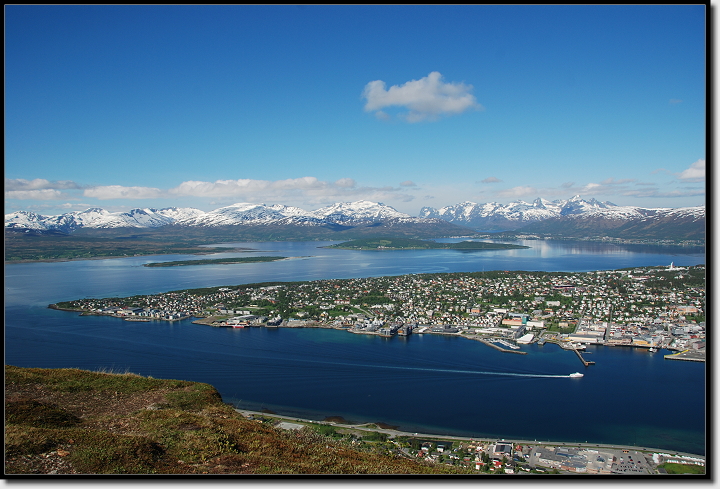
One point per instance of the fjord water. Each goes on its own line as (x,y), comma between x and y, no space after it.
(422,383)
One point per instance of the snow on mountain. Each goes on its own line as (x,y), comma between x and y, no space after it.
(484,217)
(247,213)
(242,213)
(178,214)
(494,216)
(236,214)
(360,210)
(24,220)
(100,218)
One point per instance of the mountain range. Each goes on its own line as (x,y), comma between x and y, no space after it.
(341,214)
(573,217)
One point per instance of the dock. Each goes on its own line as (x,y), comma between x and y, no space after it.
(686,355)
(488,343)
(585,362)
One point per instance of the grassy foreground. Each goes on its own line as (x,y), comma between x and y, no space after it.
(69,421)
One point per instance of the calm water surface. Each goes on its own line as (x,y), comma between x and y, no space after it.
(423,383)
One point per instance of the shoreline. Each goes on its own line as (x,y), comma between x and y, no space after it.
(208,320)
(393,432)
(649,242)
(200,253)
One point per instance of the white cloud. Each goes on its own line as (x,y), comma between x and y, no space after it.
(246,187)
(696,172)
(120,192)
(517,192)
(38,184)
(42,194)
(491,180)
(300,191)
(593,187)
(408,183)
(612,181)
(426,98)
(647,193)
(346,183)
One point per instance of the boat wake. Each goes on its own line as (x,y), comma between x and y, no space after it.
(455,371)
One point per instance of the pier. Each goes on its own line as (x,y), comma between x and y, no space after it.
(585,362)
(488,343)
(687,355)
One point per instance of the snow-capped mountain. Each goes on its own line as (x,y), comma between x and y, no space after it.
(361,209)
(577,218)
(493,216)
(347,213)
(25,220)
(242,213)
(90,218)
(572,217)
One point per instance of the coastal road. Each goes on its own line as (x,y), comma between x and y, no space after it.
(393,433)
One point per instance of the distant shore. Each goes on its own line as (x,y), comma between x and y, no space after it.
(210,251)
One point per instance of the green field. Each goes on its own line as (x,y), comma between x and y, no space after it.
(672,468)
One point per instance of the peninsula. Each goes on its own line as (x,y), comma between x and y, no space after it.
(391,243)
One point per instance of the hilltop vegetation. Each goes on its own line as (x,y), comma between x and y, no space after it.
(69,421)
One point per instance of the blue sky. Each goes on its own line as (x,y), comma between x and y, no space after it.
(203,106)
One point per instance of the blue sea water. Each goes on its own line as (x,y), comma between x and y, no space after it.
(422,383)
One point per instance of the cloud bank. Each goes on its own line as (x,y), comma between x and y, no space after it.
(696,172)
(307,189)
(425,99)
(108,192)
(491,180)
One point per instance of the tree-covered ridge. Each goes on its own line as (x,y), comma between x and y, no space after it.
(392,243)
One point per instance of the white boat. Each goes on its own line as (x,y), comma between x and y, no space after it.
(575,375)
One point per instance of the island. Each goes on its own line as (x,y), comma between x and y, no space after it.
(648,308)
(215,261)
(391,243)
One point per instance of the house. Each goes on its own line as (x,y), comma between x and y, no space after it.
(500,450)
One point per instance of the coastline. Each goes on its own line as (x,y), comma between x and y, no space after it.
(380,427)
(209,320)
(211,251)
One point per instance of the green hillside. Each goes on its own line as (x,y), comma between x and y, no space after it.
(69,421)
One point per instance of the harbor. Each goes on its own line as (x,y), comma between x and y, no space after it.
(492,344)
